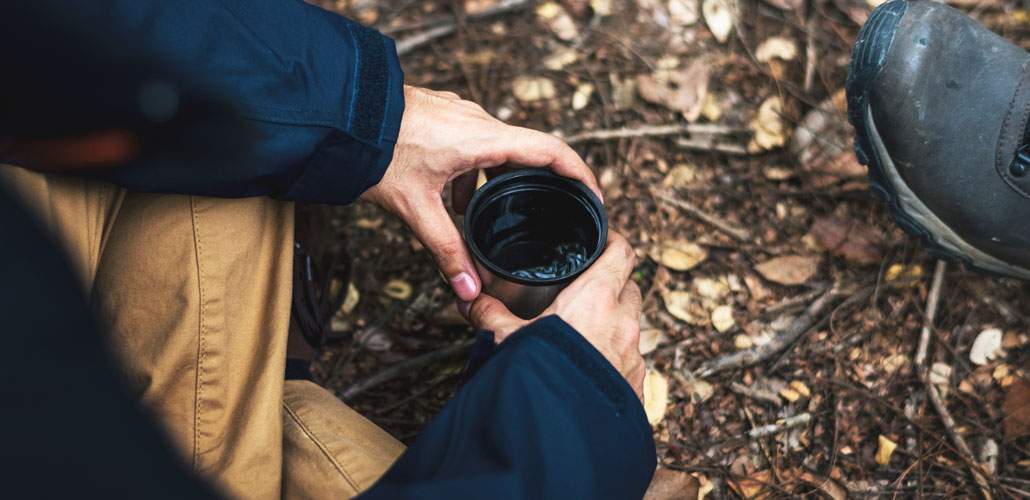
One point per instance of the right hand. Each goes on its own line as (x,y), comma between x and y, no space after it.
(603,305)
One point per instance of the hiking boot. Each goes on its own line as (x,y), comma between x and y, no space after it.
(939,105)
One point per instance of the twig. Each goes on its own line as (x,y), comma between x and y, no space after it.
(787,424)
(931,312)
(709,145)
(960,443)
(403,368)
(733,231)
(811,55)
(801,324)
(653,131)
(412,42)
(756,394)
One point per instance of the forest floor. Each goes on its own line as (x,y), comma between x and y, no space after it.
(728,165)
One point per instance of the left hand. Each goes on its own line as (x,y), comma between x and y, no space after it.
(442,139)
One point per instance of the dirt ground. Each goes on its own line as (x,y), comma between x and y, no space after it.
(729,168)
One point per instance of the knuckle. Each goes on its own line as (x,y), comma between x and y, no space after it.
(449,250)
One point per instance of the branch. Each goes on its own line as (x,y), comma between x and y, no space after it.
(403,368)
(412,42)
(653,131)
(801,324)
(931,313)
(736,233)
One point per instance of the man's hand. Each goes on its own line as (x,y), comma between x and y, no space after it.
(603,305)
(442,139)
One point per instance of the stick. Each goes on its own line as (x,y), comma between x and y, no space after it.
(931,312)
(786,424)
(960,443)
(410,43)
(801,324)
(403,368)
(720,224)
(653,131)
(709,145)
(756,394)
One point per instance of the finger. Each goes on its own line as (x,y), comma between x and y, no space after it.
(533,148)
(490,314)
(435,229)
(462,188)
(615,265)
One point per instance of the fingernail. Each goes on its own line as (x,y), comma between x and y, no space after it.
(463,308)
(464,286)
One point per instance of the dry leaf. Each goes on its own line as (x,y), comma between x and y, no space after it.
(656,396)
(769,129)
(776,47)
(681,306)
(581,97)
(682,90)
(852,240)
(683,12)
(560,58)
(902,272)
(822,144)
(1016,409)
(789,270)
(885,450)
(558,20)
(650,336)
(668,484)
(825,485)
(801,388)
(986,347)
(351,300)
(699,390)
(678,255)
(719,16)
(601,8)
(532,88)
(374,339)
(680,176)
(892,363)
(478,6)
(751,486)
(397,289)
(722,319)
(742,341)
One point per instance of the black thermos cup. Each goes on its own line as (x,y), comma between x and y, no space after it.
(531,232)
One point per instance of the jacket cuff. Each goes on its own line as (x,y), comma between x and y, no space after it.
(562,337)
(348,162)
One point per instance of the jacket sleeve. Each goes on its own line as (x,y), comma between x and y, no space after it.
(546,416)
(319,98)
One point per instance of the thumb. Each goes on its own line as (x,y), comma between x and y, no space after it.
(435,229)
(488,313)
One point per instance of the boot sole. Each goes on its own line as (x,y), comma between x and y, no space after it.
(907,210)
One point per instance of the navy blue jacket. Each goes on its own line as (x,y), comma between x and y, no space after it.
(279,98)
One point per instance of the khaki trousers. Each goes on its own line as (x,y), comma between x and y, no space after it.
(195,294)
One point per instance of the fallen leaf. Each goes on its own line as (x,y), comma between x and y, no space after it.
(777,47)
(558,20)
(668,484)
(894,362)
(478,6)
(682,90)
(374,339)
(790,394)
(854,241)
(769,130)
(680,176)
(742,341)
(789,270)
(683,12)
(722,319)
(986,347)
(885,450)
(801,388)
(650,336)
(1016,409)
(989,456)
(678,255)
(711,109)
(711,289)
(699,390)
(350,301)
(897,272)
(825,485)
(719,16)
(681,305)
(778,173)
(581,97)
(532,88)
(822,144)
(397,289)
(656,396)
(752,485)
(560,58)
(601,7)
(940,375)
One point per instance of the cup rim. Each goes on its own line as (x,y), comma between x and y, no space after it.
(586,197)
